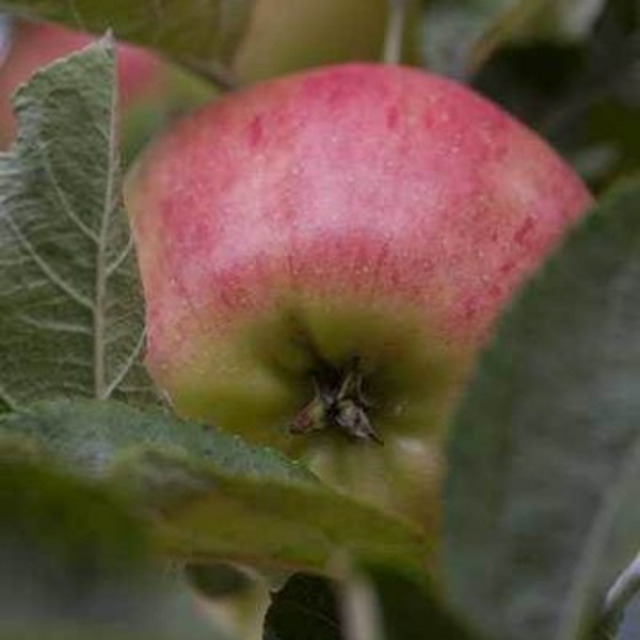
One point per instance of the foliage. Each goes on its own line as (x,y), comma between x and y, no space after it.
(544,450)
(70,297)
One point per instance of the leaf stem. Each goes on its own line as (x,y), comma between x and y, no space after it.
(392,53)
(99,311)
(621,593)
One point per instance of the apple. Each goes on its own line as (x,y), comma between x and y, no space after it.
(32,45)
(323,254)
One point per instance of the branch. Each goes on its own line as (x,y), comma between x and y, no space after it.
(392,53)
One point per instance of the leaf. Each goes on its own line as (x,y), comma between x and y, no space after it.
(453,32)
(208,495)
(562,21)
(612,101)
(460,36)
(217,581)
(204,516)
(75,564)
(631,624)
(71,316)
(615,539)
(583,99)
(90,438)
(409,607)
(538,450)
(81,529)
(401,606)
(200,33)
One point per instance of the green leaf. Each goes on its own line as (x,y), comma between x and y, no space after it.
(90,439)
(204,34)
(454,33)
(209,495)
(71,316)
(80,528)
(539,450)
(217,581)
(409,608)
(614,539)
(203,515)
(460,36)
(75,564)
(562,21)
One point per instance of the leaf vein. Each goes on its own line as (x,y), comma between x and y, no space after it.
(127,366)
(101,390)
(115,265)
(46,269)
(62,198)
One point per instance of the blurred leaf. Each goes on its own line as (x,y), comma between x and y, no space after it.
(539,450)
(562,21)
(613,115)
(405,608)
(459,36)
(201,34)
(71,316)
(306,608)
(201,515)
(600,110)
(87,530)
(410,610)
(622,535)
(75,564)
(630,629)
(585,99)
(615,539)
(454,33)
(219,580)
(209,495)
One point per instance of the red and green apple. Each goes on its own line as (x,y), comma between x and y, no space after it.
(323,254)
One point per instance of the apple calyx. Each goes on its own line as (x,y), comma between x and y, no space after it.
(338,404)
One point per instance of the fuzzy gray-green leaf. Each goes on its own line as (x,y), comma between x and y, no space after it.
(539,451)
(89,438)
(71,314)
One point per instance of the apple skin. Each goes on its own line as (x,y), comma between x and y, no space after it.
(34,45)
(359,211)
